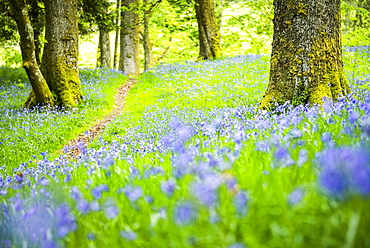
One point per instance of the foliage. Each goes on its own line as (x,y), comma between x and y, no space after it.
(187,166)
(355,22)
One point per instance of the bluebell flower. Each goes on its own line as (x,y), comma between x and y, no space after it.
(66,222)
(168,187)
(75,193)
(153,171)
(107,162)
(97,191)
(128,234)
(110,209)
(345,171)
(295,196)
(326,137)
(184,133)
(81,147)
(185,213)
(296,133)
(68,178)
(263,146)
(302,157)
(49,243)
(43,182)
(237,245)
(133,193)
(204,194)
(241,202)
(83,206)
(91,236)
(94,206)
(353,116)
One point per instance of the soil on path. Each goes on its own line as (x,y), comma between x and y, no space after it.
(74,147)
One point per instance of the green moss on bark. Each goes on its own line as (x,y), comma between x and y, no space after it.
(306,61)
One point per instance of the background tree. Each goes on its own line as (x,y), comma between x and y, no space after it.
(130,40)
(356,22)
(208,29)
(117,25)
(96,13)
(41,91)
(306,60)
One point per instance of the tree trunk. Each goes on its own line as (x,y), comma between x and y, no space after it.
(104,59)
(116,40)
(147,44)
(130,41)
(209,36)
(59,62)
(306,60)
(41,91)
(38,24)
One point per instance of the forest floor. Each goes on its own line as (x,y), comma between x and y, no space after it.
(74,146)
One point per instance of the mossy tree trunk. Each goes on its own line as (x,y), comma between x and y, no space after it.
(208,30)
(306,60)
(148,54)
(60,57)
(41,92)
(130,41)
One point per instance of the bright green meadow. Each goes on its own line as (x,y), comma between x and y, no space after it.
(191,162)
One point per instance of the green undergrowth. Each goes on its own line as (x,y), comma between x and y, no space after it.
(24,132)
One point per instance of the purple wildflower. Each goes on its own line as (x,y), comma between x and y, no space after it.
(75,193)
(302,157)
(237,245)
(129,235)
(204,194)
(295,196)
(83,206)
(326,137)
(168,187)
(94,206)
(184,213)
(97,191)
(66,222)
(91,236)
(133,193)
(111,211)
(240,202)
(263,146)
(345,171)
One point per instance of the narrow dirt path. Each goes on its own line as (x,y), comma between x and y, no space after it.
(74,147)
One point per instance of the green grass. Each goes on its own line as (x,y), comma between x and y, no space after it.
(25,133)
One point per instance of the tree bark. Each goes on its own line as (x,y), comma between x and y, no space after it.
(130,41)
(306,60)
(38,24)
(148,54)
(60,58)
(104,59)
(116,40)
(41,92)
(209,36)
